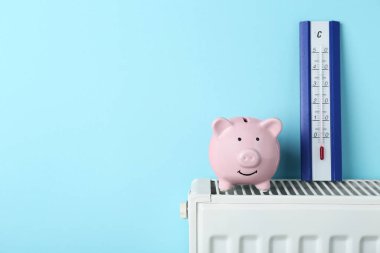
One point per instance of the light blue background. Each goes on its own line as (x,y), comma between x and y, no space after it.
(106,109)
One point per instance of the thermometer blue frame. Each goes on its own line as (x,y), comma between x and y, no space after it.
(321,149)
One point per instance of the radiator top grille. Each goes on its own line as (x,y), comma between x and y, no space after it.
(297,187)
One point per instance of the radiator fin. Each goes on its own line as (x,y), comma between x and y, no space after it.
(308,244)
(218,244)
(369,244)
(278,244)
(248,244)
(338,244)
(297,187)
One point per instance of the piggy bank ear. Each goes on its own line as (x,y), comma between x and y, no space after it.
(220,124)
(273,125)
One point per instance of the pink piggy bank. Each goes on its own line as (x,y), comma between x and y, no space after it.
(245,151)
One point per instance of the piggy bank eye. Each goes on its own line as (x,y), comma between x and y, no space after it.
(257,138)
(239,139)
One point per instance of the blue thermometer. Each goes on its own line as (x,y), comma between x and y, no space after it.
(321,149)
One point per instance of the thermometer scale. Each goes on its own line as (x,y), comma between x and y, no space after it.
(321,155)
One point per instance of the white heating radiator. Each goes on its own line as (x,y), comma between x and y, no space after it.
(294,216)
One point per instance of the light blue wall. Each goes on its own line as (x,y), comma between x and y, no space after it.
(106,109)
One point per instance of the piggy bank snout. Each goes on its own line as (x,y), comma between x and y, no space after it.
(249,158)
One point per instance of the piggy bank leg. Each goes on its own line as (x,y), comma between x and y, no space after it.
(264,186)
(224,185)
